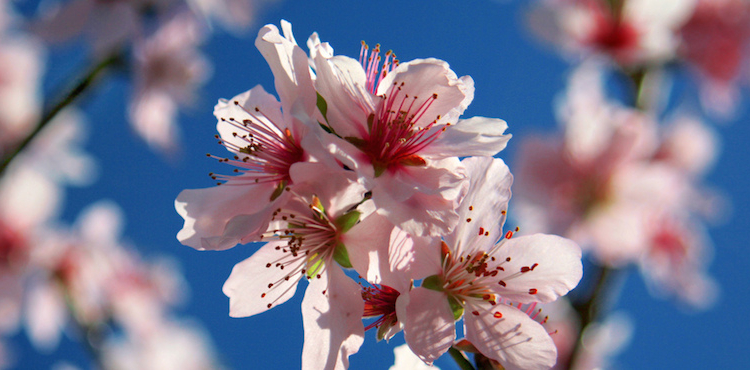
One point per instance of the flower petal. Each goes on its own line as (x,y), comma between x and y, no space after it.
(421,200)
(254,286)
(422,78)
(208,211)
(482,211)
(476,136)
(429,327)
(332,317)
(510,336)
(290,68)
(542,268)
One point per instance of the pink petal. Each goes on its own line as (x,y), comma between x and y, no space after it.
(249,285)
(476,136)
(341,81)
(421,200)
(332,317)
(257,97)
(208,211)
(510,336)
(423,78)
(429,327)
(542,268)
(289,65)
(482,210)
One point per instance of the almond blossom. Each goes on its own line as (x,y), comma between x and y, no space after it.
(20,78)
(168,69)
(714,41)
(397,126)
(266,139)
(631,32)
(597,184)
(106,24)
(482,272)
(308,240)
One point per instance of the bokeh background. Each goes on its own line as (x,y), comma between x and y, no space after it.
(517,78)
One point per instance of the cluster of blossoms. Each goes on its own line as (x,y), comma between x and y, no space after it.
(711,36)
(356,166)
(80,280)
(160,39)
(615,179)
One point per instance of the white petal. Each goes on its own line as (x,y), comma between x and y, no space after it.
(484,206)
(332,316)
(476,136)
(207,212)
(508,335)
(423,78)
(248,285)
(289,65)
(553,264)
(429,328)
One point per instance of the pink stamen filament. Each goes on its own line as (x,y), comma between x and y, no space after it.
(268,154)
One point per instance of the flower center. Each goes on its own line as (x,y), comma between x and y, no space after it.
(396,131)
(265,151)
(380,301)
(311,243)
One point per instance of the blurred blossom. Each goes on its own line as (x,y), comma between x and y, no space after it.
(169,345)
(20,79)
(631,32)
(624,187)
(602,341)
(87,272)
(407,360)
(168,69)
(715,41)
(235,15)
(675,264)
(30,197)
(106,25)
(594,184)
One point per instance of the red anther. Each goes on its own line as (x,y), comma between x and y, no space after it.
(497,315)
(532,291)
(481,230)
(475,313)
(508,235)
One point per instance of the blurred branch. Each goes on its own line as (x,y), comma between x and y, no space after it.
(88,80)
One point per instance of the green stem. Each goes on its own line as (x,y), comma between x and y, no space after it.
(460,359)
(87,81)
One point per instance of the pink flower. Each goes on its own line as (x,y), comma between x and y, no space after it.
(107,24)
(20,104)
(630,32)
(307,242)
(168,69)
(679,251)
(598,183)
(234,15)
(397,125)
(714,41)
(482,272)
(267,140)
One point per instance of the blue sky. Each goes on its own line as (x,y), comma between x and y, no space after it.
(516,79)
